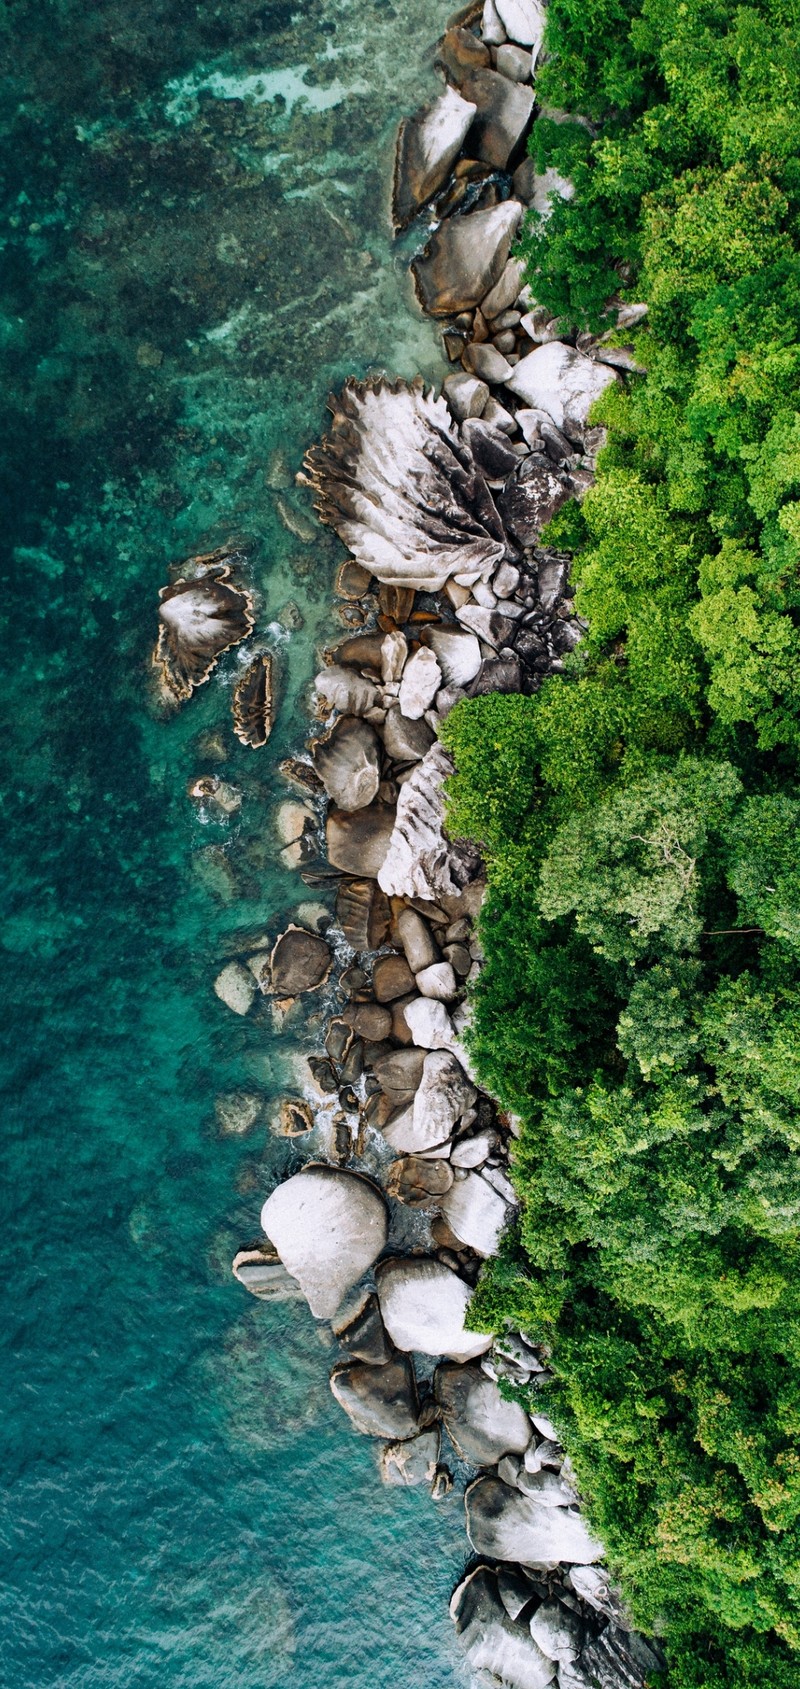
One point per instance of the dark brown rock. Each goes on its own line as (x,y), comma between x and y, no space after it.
(392,978)
(459,53)
(528,503)
(300,961)
(363,913)
(381,1401)
(357,842)
(503,114)
(201,615)
(369,1020)
(417,1182)
(465,257)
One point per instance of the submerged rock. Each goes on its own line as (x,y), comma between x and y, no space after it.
(481,1424)
(328,1227)
(253,702)
(265,1276)
(381,1401)
(505,1525)
(427,145)
(465,258)
(202,614)
(424,1306)
(236,988)
(400,488)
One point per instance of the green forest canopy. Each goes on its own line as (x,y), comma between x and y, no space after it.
(639,1008)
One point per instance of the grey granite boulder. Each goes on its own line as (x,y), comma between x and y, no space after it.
(506,1525)
(481,1424)
(557,379)
(558,1631)
(492,1643)
(427,145)
(381,1401)
(476,1213)
(348,763)
(421,862)
(424,1307)
(465,257)
(413,1462)
(503,113)
(300,961)
(358,840)
(328,1226)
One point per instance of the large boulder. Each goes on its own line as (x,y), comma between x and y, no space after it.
(424,1306)
(348,763)
(558,1631)
(427,145)
(429,1024)
(359,1328)
(481,1424)
(405,741)
(530,500)
(328,1226)
(418,1181)
(492,1643)
(476,1213)
(201,615)
(358,840)
(381,1401)
(503,114)
(413,1462)
(524,22)
(339,688)
(400,487)
(558,379)
(421,861)
(505,1525)
(457,652)
(444,1094)
(421,680)
(464,259)
(264,1276)
(300,961)
(362,912)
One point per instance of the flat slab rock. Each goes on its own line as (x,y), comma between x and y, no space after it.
(491,1642)
(427,145)
(424,1305)
(505,1525)
(483,1426)
(328,1227)
(465,258)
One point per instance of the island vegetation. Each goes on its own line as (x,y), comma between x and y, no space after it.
(639,1006)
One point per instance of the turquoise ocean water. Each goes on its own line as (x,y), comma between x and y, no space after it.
(195,249)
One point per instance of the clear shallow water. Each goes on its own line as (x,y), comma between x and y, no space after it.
(195,251)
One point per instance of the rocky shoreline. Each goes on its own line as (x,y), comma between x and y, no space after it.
(440,502)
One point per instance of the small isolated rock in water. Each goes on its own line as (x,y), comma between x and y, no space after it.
(294,1117)
(253,702)
(505,1525)
(398,485)
(476,1213)
(492,1643)
(524,22)
(557,379)
(481,1424)
(418,1182)
(300,961)
(413,1462)
(558,1631)
(201,615)
(465,258)
(328,1226)
(420,861)
(427,145)
(358,840)
(348,762)
(236,988)
(421,680)
(424,1305)
(217,794)
(381,1401)
(238,1112)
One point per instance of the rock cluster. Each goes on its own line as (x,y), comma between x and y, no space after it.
(449,593)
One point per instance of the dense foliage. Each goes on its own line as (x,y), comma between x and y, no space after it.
(639,1008)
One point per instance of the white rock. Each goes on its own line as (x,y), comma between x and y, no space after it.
(457,653)
(558,1631)
(505,1525)
(557,379)
(496,416)
(328,1227)
(547,1487)
(444,1095)
(438,981)
(394,651)
(429,1024)
(493,1645)
(523,21)
(421,680)
(423,1305)
(506,581)
(421,861)
(236,988)
(528,421)
(545,1427)
(346,690)
(483,1426)
(473,1152)
(491,28)
(515,63)
(427,145)
(476,1213)
(466,395)
(348,763)
(505,292)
